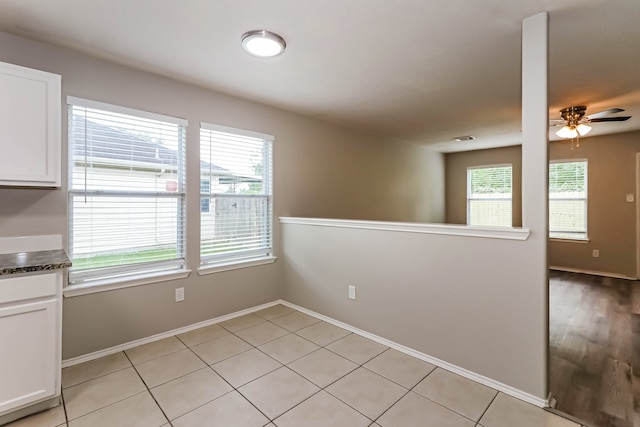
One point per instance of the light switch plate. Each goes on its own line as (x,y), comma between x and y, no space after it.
(630,198)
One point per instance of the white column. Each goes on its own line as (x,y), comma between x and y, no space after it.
(535,158)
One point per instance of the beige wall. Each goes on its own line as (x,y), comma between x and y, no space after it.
(320,170)
(611,219)
(412,289)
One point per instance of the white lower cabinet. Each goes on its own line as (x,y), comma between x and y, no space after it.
(30,339)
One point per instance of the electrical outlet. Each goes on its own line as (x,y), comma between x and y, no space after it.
(630,198)
(352,292)
(179,294)
(596,253)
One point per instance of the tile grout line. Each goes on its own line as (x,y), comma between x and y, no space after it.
(350,372)
(282,365)
(446,407)
(252,346)
(106,406)
(488,406)
(392,405)
(157,357)
(320,389)
(99,376)
(359,365)
(148,389)
(285,365)
(132,365)
(64,405)
(230,385)
(111,404)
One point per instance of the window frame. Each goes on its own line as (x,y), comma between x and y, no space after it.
(100,279)
(470,199)
(213,263)
(585,236)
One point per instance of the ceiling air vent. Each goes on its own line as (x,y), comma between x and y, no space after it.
(464,138)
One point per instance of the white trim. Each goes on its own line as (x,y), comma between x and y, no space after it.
(115,349)
(592,272)
(126,282)
(559,240)
(236,131)
(511,391)
(499,165)
(506,233)
(585,160)
(87,103)
(235,265)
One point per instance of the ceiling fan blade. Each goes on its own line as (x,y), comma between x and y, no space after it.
(611,119)
(604,113)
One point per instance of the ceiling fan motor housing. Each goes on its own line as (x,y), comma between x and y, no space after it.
(573,115)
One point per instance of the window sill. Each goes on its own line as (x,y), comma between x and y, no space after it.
(234,265)
(560,240)
(126,282)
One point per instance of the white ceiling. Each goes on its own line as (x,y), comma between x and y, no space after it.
(422,71)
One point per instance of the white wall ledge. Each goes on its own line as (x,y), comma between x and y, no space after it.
(416,227)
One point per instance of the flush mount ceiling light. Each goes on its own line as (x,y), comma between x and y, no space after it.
(262,43)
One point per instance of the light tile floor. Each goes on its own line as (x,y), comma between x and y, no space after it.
(277,367)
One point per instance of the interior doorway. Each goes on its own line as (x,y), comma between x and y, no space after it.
(637,215)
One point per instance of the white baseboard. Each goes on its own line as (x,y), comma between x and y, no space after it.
(111,350)
(593,273)
(506,389)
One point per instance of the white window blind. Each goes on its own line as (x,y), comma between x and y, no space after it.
(237,165)
(568,200)
(489,196)
(126,192)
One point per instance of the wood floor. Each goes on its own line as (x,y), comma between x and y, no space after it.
(595,348)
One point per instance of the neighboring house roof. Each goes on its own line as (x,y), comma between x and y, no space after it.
(116,146)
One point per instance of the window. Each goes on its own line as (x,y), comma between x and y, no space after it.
(126,193)
(489,196)
(237,165)
(568,200)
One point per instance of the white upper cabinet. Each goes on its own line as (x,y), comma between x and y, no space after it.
(30,102)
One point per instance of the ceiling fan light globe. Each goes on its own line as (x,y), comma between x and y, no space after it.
(567,132)
(583,129)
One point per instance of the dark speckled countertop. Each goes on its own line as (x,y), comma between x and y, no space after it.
(26,262)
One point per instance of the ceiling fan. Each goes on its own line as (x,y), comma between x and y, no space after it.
(575,124)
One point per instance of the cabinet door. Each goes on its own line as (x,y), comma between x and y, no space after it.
(29,127)
(27,353)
